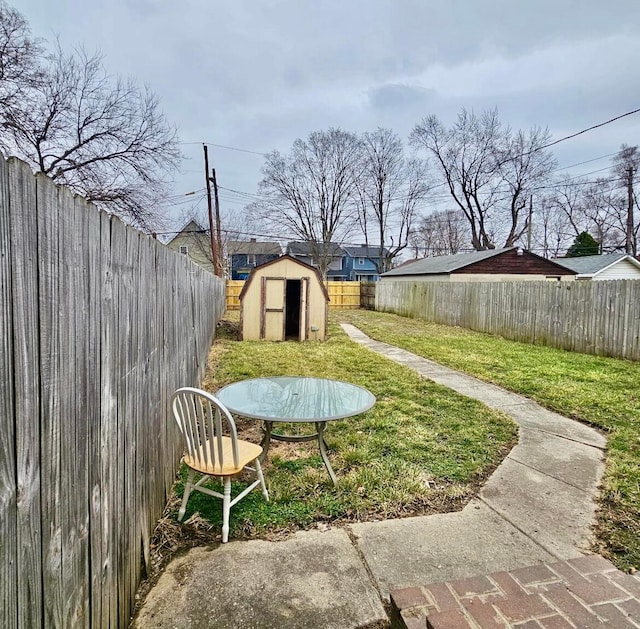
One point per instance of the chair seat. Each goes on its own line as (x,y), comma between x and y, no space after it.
(247,452)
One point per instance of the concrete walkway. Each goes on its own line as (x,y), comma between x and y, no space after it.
(536,508)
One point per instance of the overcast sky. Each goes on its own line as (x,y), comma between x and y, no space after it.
(258,74)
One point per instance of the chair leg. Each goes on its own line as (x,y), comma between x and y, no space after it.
(226,509)
(265,493)
(185,494)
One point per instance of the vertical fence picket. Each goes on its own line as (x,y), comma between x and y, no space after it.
(8,506)
(24,282)
(51,418)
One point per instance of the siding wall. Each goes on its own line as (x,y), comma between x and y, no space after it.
(600,318)
(623,270)
(100,324)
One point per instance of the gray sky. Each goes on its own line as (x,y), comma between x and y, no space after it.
(258,74)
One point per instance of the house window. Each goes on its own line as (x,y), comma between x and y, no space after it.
(184,249)
(251,258)
(360,260)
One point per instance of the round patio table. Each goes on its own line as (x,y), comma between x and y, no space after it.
(296,399)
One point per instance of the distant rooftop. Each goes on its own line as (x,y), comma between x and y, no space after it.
(445,264)
(585,265)
(253,247)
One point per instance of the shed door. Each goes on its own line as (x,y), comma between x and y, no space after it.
(304,308)
(272,303)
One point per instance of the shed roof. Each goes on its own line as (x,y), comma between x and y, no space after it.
(590,265)
(313,270)
(253,247)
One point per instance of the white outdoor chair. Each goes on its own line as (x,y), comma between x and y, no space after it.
(203,419)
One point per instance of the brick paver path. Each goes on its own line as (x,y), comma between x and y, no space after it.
(580,594)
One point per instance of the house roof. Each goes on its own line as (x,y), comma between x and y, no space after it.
(591,265)
(364,251)
(312,269)
(253,247)
(304,249)
(444,264)
(191,227)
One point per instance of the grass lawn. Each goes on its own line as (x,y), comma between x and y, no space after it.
(421,449)
(604,392)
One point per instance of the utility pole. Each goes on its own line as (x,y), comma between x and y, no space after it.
(529,223)
(630,247)
(218,230)
(214,249)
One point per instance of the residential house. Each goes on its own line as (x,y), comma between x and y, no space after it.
(335,270)
(612,266)
(348,262)
(245,255)
(510,263)
(359,262)
(194,241)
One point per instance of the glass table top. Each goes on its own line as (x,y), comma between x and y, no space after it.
(295,399)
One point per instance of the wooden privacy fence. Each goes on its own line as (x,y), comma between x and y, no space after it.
(368,295)
(341,294)
(100,324)
(233,294)
(594,317)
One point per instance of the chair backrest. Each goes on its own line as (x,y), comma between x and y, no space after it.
(202,419)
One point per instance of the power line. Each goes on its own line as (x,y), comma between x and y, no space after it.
(595,126)
(587,161)
(229,148)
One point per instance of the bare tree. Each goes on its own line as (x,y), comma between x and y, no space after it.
(552,232)
(490,171)
(105,138)
(390,190)
(605,214)
(19,56)
(310,191)
(440,234)
(522,165)
(625,171)
(466,156)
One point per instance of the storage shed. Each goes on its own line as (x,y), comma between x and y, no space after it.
(284,299)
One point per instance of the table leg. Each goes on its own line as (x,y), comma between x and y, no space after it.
(266,439)
(320,427)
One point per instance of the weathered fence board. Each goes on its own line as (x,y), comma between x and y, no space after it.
(51,420)
(8,507)
(368,295)
(100,324)
(596,317)
(24,281)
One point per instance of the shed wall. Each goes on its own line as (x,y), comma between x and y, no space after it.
(252,301)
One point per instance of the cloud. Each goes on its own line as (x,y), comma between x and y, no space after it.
(399,96)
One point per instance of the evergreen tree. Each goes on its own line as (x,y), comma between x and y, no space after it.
(583,245)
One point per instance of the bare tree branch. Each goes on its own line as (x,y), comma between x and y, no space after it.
(309,192)
(389,193)
(104,137)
